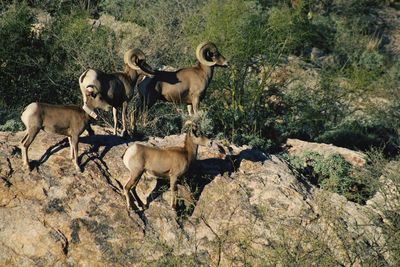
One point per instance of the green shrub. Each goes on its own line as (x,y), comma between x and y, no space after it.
(201,120)
(160,120)
(17,58)
(10,119)
(334,174)
(11,126)
(363,136)
(125,10)
(46,67)
(80,46)
(290,27)
(387,217)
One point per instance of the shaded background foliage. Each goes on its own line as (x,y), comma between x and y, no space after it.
(256,35)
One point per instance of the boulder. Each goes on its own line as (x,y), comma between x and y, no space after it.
(237,207)
(298,147)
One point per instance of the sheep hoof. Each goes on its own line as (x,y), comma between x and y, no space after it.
(132,208)
(173,206)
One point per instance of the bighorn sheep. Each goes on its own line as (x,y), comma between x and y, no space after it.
(171,163)
(115,89)
(65,120)
(187,85)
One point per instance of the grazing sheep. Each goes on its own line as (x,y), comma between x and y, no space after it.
(115,89)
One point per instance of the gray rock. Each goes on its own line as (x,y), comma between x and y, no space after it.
(244,208)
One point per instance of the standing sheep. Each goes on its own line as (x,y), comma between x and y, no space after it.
(185,86)
(116,89)
(70,121)
(170,163)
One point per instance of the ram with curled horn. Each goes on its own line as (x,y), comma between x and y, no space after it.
(105,90)
(184,86)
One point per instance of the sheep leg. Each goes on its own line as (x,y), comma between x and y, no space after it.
(195,105)
(131,184)
(26,142)
(190,109)
(71,148)
(173,181)
(124,111)
(24,150)
(73,142)
(115,117)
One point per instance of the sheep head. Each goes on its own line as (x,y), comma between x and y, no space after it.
(207,54)
(194,134)
(136,60)
(93,99)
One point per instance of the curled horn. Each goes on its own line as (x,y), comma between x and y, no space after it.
(136,59)
(201,52)
(133,57)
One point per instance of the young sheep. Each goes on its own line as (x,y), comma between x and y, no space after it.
(170,163)
(65,120)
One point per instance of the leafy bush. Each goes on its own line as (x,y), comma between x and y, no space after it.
(80,46)
(334,174)
(387,203)
(255,36)
(17,58)
(361,136)
(10,119)
(290,27)
(165,121)
(11,126)
(165,42)
(125,10)
(46,67)
(65,7)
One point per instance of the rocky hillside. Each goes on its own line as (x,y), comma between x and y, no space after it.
(246,208)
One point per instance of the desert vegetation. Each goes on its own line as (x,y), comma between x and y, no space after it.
(316,70)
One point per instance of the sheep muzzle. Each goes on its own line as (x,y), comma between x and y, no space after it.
(90,112)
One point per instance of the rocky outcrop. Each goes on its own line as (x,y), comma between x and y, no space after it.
(238,207)
(297,147)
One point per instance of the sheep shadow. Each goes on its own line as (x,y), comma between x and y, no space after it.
(34,164)
(96,142)
(106,142)
(201,173)
(96,155)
